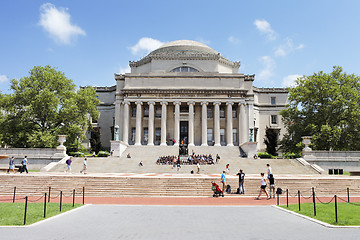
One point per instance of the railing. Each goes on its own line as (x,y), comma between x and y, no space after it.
(47,197)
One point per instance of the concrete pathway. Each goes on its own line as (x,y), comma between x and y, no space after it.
(177,222)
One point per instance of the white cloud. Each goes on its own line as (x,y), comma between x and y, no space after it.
(234,40)
(3,78)
(125,70)
(268,68)
(287,48)
(145,45)
(289,80)
(56,21)
(264,27)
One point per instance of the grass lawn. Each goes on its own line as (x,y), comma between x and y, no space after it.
(348,214)
(12,214)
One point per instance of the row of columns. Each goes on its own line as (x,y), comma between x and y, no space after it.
(246,125)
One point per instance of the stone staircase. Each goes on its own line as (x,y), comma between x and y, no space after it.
(151,185)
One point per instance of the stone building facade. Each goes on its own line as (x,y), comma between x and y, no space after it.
(186,91)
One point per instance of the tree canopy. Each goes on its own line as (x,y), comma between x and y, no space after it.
(325,106)
(44,105)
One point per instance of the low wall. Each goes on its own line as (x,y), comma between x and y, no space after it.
(37,157)
(346,160)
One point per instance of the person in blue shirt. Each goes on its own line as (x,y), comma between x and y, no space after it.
(11,165)
(24,164)
(223,180)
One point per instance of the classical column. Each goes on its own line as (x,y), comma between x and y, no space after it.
(121,120)
(217,123)
(242,123)
(229,124)
(204,124)
(126,122)
(163,123)
(177,122)
(251,120)
(151,124)
(191,123)
(138,122)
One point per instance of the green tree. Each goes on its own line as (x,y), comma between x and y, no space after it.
(271,140)
(326,107)
(44,105)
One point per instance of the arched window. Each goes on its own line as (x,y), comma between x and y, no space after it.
(184,69)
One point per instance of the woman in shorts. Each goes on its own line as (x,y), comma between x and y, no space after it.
(262,187)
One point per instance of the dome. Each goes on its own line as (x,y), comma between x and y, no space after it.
(183,47)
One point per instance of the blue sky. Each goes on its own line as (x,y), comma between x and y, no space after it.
(91,40)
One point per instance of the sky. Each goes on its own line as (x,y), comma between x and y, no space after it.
(89,41)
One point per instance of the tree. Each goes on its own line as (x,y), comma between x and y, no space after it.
(271,140)
(326,107)
(44,105)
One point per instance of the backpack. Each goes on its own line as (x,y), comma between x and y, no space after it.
(228,189)
(68,162)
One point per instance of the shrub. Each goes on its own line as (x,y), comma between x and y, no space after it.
(76,154)
(265,155)
(292,155)
(103,154)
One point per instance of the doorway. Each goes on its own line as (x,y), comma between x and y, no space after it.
(184,127)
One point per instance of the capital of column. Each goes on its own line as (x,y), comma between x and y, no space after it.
(126,102)
(151,103)
(164,103)
(191,103)
(230,103)
(250,102)
(177,103)
(217,103)
(204,103)
(139,102)
(242,102)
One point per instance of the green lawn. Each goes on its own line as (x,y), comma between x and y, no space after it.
(12,214)
(348,214)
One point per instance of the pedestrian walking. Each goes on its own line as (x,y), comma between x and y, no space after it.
(84,166)
(241,175)
(262,187)
(11,165)
(198,167)
(223,180)
(68,163)
(227,168)
(24,164)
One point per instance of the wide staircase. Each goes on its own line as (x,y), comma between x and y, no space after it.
(149,154)
(152,185)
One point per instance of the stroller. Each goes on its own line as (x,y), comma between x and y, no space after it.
(217,191)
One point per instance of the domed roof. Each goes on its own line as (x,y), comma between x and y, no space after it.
(184,47)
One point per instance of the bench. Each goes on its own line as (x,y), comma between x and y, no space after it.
(354,173)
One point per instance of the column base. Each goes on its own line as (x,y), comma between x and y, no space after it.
(176,144)
(137,144)
(191,145)
(204,145)
(217,145)
(230,145)
(163,144)
(150,144)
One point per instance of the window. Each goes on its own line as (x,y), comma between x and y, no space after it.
(235,137)
(146,111)
(146,135)
(222,136)
(184,69)
(158,112)
(209,136)
(157,136)
(132,138)
(184,109)
(133,112)
(273,119)
(222,112)
(234,113)
(209,112)
(273,100)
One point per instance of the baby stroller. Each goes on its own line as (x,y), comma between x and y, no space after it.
(217,191)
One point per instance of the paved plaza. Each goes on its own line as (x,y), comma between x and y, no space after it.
(177,222)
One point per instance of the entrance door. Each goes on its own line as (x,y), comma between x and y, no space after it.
(184,126)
